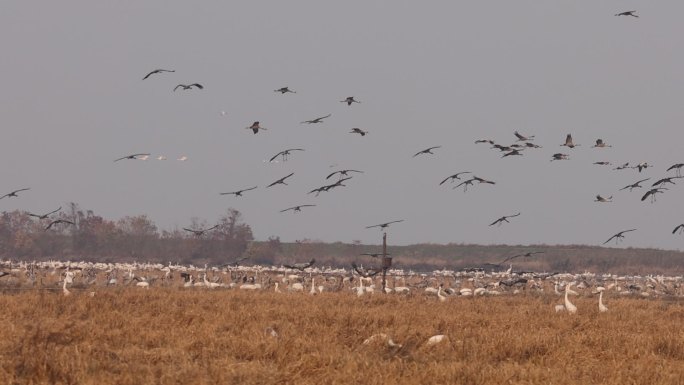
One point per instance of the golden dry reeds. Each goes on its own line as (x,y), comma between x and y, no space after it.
(175,336)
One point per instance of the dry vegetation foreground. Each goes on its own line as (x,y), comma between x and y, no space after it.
(174,336)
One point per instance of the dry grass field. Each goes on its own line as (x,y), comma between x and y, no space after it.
(175,336)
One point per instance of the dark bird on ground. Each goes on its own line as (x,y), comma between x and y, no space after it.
(622,166)
(503,219)
(132,156)
(665,181)
(526,255)
(454,176)
(58,221)
(317,120)
(14,193)
(296,209)
(300,266)
(383,226)
(600,143)
(559,156)
(627,13)
(44,216)
(679,228)
(255,127)
(364,272)
(677,167)
(374,255)
(342,172)
(652,193)
(603,163)
(188,86)
(200,232)
(358,131)
(239,192)
(619,236)
(642,166)
(285,90)
(601,199)
(569,143)
(280,181)
(523,138)
(284,154)
(156,72)
(349,100)
(634,185)
(511,153)
(426,151)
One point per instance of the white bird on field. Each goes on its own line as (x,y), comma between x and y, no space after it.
(442,297)
(381,337)
(572,309)
(434,340)
(602,307)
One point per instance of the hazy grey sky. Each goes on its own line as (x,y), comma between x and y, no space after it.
(427,73)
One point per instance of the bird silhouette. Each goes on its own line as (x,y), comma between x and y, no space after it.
(622,166)
(285,90)
(188,86)
(503,219)
(600,144)
(300,266)
(618,237)
(349,100)
(642,166)
(317,120)
(426,151)
(532,145)
(526,255)
(627,13)
(454,177)
(58,221)
(14,193)
(374,255)
(664,181)
(485,141)
(366,273)
(157,71)
(677,167)
(559,156)
(679,228)
(652,193)
(284,154)
(512,153)
(358,131)
(601,199)
(296,209)
(342,173)
(634,185)
(44,216)
(239,192)
(523,138)
(603,163)
(569,143)
(255,127)
(280,181)
(383,226)
(200,232)
(132,156)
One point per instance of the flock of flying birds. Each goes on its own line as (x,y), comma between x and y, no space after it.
(523,143)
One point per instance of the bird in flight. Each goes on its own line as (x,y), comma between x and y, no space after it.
(183,158)
(296,209)
(642,166)
(349,100)
(601,144)
(665,180)
(601,199)
(503,219)
(58,221)
(526,255)
(622,166)
(200,232)
(239,192)
(366,273)
(652,193)
(300,266)
(284,154)
(532,145)
(157,71)
(627,13)
(383,226)
(511,153)
(133,156)
(603,163)
(426,151)
(619,236)
(280,181)
(522,138)
(285,90)
(677,167)
(454,176)
(188,86)
(44,216)
(358,131)
(317,120)
(635,185)
(255,127)
(559,156)
(14,193)
(374,255)
(484,141)
(679,228)
(342,173)
(569,143)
